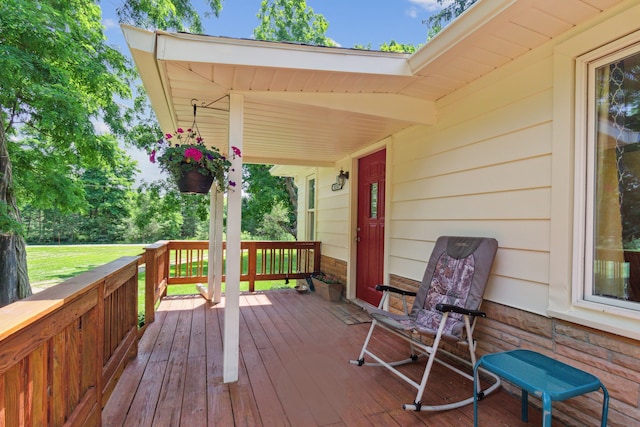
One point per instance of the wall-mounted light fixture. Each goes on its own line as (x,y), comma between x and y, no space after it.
(340,180)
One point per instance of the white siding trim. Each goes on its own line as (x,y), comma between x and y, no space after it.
(568,122)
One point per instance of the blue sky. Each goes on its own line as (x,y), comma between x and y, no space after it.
(351,22)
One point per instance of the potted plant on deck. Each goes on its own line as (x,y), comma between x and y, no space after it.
(328,287)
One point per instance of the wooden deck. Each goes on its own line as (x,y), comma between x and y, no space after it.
(294,371)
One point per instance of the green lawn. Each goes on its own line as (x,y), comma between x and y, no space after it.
(50,265)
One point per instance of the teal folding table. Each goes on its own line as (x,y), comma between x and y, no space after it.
(543,376)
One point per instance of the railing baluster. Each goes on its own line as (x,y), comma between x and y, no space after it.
(251,265)
(265,260)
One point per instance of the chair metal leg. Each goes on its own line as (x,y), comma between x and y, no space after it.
(476,386)
(366,342)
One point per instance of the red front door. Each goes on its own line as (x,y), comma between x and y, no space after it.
(370,237)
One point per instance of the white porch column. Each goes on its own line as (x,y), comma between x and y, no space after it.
(231,343)
(214,276)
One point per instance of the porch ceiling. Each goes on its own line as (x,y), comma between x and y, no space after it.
(308,105)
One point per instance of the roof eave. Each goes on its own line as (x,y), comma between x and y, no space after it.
(186,47)
(457,31)
(142,45)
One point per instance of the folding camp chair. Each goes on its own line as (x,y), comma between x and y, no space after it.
(445,307)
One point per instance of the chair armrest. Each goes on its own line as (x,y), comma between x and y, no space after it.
(460,310)
(384,288)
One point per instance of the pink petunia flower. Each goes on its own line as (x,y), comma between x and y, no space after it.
(152,157)
(236,151)
(193,153)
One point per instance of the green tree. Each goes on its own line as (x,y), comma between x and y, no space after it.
(60,77)
(161,212)
(178,15)
(263,192)
(394,46)
(84,204)
(276,223)
(292,21)
(109,195)
(452,10)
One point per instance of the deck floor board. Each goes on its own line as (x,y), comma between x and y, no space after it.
(293,371)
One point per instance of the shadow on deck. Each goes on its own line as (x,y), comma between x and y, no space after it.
(294,371)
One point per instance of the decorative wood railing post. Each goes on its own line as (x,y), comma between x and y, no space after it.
(101,330)
(317,256)
(156,277)
(252,264)
(150,280)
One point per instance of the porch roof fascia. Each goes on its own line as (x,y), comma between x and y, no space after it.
(187,47)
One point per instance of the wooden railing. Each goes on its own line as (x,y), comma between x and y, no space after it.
(185,261)
(63,349)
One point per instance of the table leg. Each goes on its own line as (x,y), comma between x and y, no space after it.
(605,406)
(524,411)
(546,410)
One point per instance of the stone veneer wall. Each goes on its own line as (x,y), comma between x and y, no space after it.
(334,267)
(612,358)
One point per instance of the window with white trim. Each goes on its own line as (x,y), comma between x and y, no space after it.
(611,221)
(311,208)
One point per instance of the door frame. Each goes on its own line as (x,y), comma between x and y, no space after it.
(353,216)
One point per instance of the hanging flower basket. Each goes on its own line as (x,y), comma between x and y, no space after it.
(192,164)
(194,182)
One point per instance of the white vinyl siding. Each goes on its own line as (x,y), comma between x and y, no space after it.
(332,214)
(484,169)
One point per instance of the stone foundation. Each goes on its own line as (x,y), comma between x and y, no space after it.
(334,267)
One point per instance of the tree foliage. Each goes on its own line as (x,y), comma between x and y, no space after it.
(451,10)
(394,46)
(59,77)
(96,208)
(178,15)
(59,81)
(292,21)
(263,193)
(161,212)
